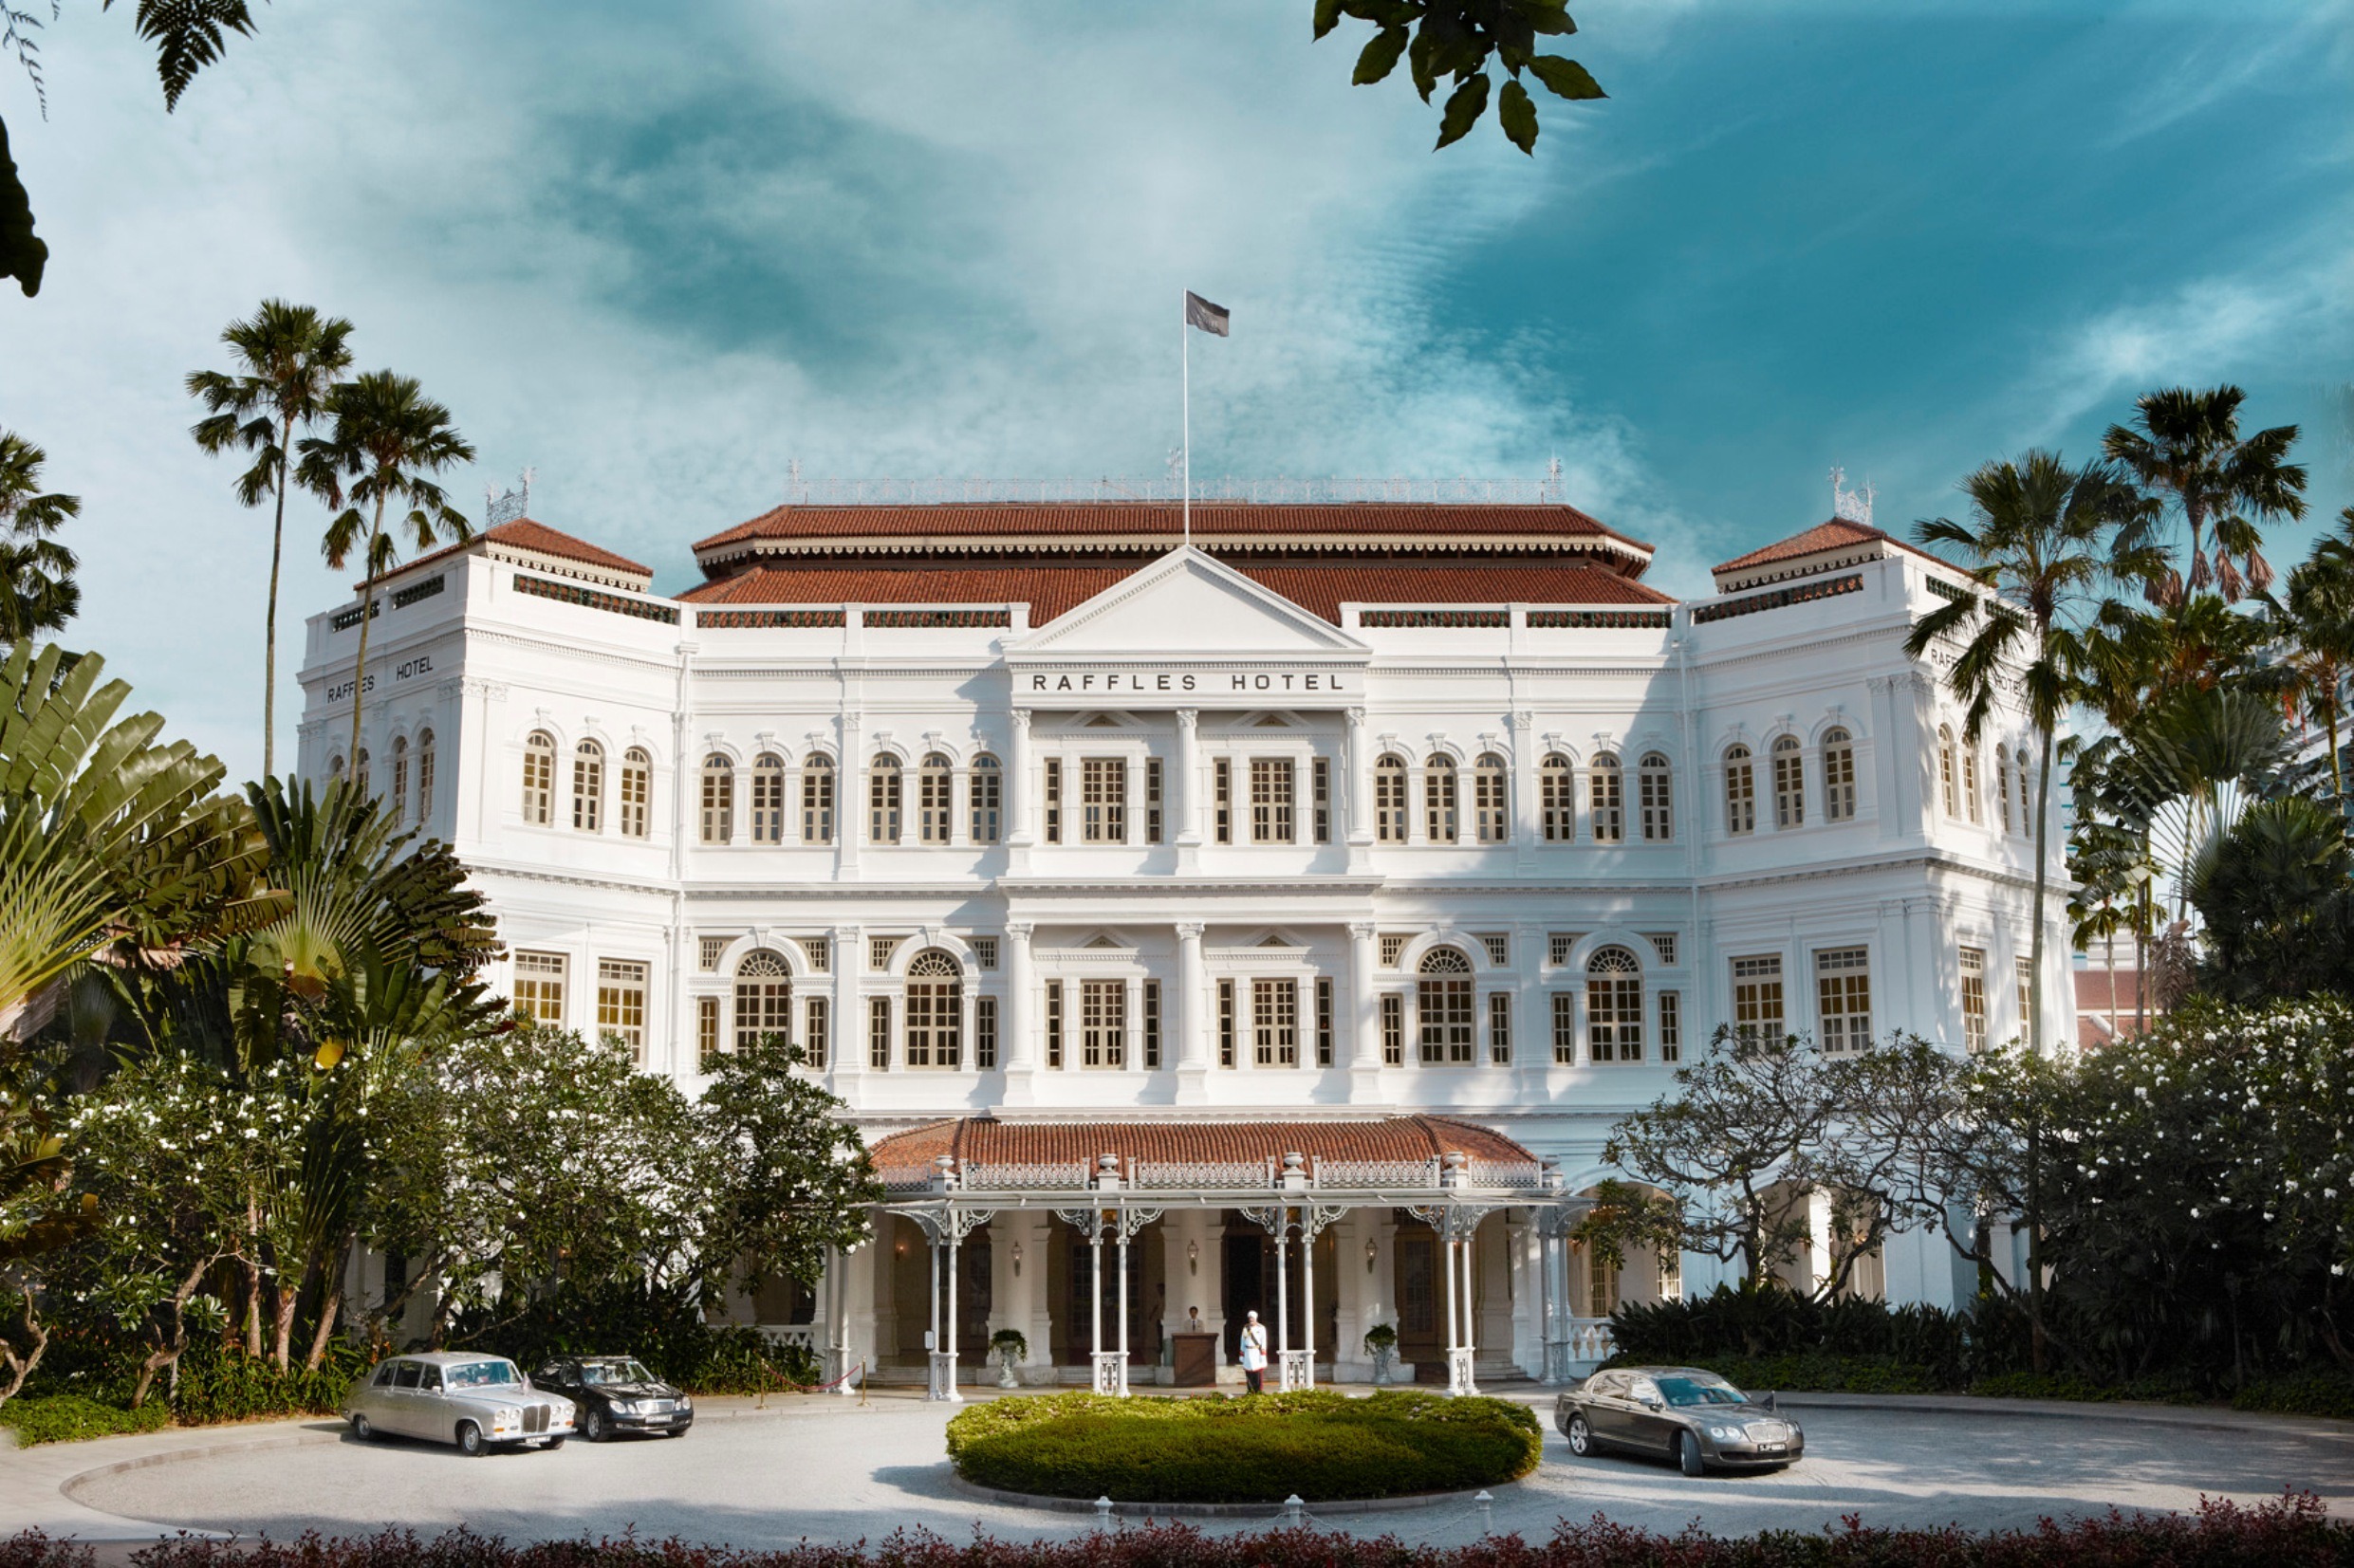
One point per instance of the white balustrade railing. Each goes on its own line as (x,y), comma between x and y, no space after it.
(905,1178)
(1377,1173)
(1520,1174)
(1233,1174)
(1008,1174)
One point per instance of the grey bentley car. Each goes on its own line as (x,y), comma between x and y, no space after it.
(1692,1417)
(475,1401)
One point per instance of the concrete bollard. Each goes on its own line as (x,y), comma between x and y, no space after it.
(1102,1512)
(1294,1511)
(1485,1505)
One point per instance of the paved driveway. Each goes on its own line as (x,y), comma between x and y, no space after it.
(831,1471)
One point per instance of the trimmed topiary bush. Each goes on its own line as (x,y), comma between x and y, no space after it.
(1260,1449)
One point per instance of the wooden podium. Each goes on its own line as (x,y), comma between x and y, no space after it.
(1193,1359)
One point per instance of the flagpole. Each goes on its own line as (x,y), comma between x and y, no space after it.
(1185,380)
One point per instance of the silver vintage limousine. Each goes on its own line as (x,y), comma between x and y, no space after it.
(472,1400)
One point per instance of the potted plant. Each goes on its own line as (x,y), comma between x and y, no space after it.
(1381,1340)
(1009,1346)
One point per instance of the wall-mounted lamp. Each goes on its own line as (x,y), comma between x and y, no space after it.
(1193,1257)
(1017,1259)
(1372,1253)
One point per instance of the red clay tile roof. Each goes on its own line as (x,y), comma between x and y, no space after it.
(989,1141)
(1052,589)
(523,534)
(1836,534)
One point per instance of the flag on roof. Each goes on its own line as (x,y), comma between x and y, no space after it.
(1211,317)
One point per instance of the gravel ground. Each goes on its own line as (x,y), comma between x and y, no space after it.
(836,1472)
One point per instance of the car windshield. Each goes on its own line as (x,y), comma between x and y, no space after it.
(614,1371)
(1698,1391)
(482,1375)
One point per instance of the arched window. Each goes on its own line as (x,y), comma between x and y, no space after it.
(1491,800)
(768,798)
(588,787)
(1969,780)
(1389,800)
(359,775)
(1789,783)
(935,1011)
(935,799)
(1659,799)
(1740,791)
(637,797)
(538,777)
(884,779)
(1838,775)
(1438,799)
(1606,789)
(989,781)
(1443,1000)
(719,799)
(764,1001)
(2002,783)
(334,769)
(1614,1006)
(2027,816)
(400,780)
(424,778)
(817,799)
(1949,779)
(1557,804)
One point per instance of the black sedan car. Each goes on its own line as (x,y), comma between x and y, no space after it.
(616,1394)
(1692,1417)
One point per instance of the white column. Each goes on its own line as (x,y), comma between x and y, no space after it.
(954,1253)
(1358,789)
(1307,1303)
(1120,1305)
(1185,790)
(1020,833)
(1283,1299)
(1018,1048)
(1191,1017)
(1364,1056)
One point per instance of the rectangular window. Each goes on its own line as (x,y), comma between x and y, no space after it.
(1323,1023)
(987,793)
(637,788)
(1671,1275)
(1054,1024)
(1789,785)
(1614,1008)
(767,801)
(1320,777)
(1839,784)
(1271,800)
(984,952)
(935,1026)
(1222,800)
(817,1040)
(882,801)
(819,950)
(2023,970)
(1499,946)
(817,802)
(1499,1029)
(1671,1027)
(1104,1024)
(1103,801)
(539,987)
(1393,1030)
(1152,801)
(1757,998)
(1226,1024)
(1556,802)
(878,951)
(425,789)
(1152,1026)
(1438,802)
(1557,946)
(1275,1022)
(1054,799)
(1843,984)
(622,1003)
(1602,1283)
(1443,1004)
(1491,803)
(1393,944)
(1608,786)
(708,951)
(984,1033)
(1657,803)
(936,801)
(1740,796)
(705,1032)
(1662,943)
(1565,1029)
(879,1033)
(587,787)
(718,818)
(764,1008)
(1974,999)
(1389,802)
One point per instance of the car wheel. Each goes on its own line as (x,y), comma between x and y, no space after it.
(363,1429)
(470,1441)
(595,1428)
(1688,1453)
(1581,1436)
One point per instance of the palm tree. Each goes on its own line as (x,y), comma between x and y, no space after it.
(286,356)
(2187,445)
(387,436)
(2318,615)
(37,588)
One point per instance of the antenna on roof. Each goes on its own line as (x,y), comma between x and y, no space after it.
(1552,478)
(1853,505)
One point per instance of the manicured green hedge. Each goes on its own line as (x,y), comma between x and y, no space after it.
(1260,1449)
(68,1417)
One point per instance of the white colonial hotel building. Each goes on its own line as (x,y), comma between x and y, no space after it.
(1274,923)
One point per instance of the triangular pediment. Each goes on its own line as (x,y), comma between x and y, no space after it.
(1188,601)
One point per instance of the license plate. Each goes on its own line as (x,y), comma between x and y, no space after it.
(1773,1448)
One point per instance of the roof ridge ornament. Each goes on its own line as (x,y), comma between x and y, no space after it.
(1852,506)
(511,506)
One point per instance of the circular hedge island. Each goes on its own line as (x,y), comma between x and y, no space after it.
(1258,1449)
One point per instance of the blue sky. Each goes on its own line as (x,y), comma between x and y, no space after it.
(660,253)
